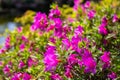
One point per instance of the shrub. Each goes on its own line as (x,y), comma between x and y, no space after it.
(69,43)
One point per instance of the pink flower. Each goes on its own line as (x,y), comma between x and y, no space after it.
(26,76)
(72,59)
(51,27)
(31,62)
(2,50)
(102,29)
(66,43)
(80,63)
(112,75)
(76,4)
(52,39)
(105,58)
(21,76)
(21,64)
(50,59)
(56,77)
(57,23)
(58,28)
(19,29)
(115,18)
(7,42)
(87,4)
(90,65)
(17,76)
(91,14)
(54,13)
(24,39)
(68,73)
(22,47)
(78,31)
(74,42)
(40,22)
(33,28)
(104,21)
(6,69)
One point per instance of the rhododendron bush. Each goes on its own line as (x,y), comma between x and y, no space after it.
(79,43)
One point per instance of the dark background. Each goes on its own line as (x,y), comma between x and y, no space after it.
(36,5)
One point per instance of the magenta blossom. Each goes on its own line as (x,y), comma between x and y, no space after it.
(74,42)
(56,77)
(66,43)
(54,13)
(90,65)
(57,23)
(102,29)
(115,18)
(2,50)
(21,76)
(17,76)
(22,47)
(58,28)
(105,58)
(91,14)
(50,59)
(33,28)
(88,61)
(72,59)
(52,39)
(31,62)
(26,76)
(24,39)
(40,22)
(6,69)
(76,4)
(21,64)
(80,63)
(86,54)
(87,4)
(19,29)
(104,21)
(51,27)
(78,31)
(68,73)
(7,42)
(112,76)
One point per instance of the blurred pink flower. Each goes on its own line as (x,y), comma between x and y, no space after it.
(56,77)
(102,29)
(50,59)
(91,14)
(72,59)
(90,65)
(17,76)
(78,31)
(66,43)
(19,29)
(115,18)
(31,62)
(87,4)
(22,47)
(40,22)
(105,58)
(68,73)
(112,76)
(6,69)
(54,13)
(26,76)
(21,64)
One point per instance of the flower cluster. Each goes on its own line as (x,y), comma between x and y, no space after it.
(58,46)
